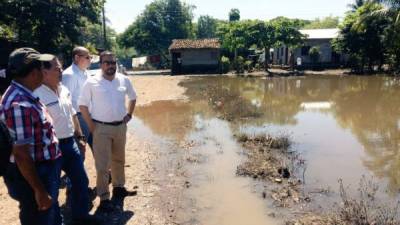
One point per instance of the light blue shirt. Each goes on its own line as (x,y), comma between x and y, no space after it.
(73,78)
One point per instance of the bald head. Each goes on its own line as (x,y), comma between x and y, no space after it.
(81,57)
(79,50)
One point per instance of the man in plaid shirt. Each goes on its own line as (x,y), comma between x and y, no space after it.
(33,176)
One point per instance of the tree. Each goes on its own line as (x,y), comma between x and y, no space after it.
(357,4)
(154,29)
(48,25)
(287,34)
(391,11)
(234,15)
(206,27)
(362,36)
(295,23)
(315,54)
(327,22)
(92,34)
(265,37)
(235,36)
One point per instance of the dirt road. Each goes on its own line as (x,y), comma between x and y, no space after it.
(158,182)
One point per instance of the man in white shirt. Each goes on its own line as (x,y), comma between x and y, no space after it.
(73,78)
(57,100)
(105,93)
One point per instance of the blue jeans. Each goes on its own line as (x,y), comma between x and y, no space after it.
(85,130)
(72,165)
(20,190)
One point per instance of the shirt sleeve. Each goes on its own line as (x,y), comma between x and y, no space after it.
(129,90)
(84,98)
(20,124)
(69,97)
(68,82)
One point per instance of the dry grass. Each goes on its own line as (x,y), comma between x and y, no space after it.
(265,140)
(364,209)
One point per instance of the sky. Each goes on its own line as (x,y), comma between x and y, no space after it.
(122,13)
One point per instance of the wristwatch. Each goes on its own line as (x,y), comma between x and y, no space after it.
(81,138)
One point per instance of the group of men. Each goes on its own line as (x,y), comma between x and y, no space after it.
(51,115)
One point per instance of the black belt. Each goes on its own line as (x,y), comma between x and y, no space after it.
(115,123)
(65,140)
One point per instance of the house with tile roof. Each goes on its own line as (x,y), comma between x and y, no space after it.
(195,56)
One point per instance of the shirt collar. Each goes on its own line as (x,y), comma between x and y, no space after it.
(25,90)
(48,89)
(76,68)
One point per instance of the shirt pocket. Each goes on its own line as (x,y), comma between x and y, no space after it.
(121,90)
(100,92)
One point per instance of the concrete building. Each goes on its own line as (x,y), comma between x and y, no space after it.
(195,56)
(320,38)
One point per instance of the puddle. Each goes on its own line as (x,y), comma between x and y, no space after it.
(344,127)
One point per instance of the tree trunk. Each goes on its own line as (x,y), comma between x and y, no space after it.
(266,59)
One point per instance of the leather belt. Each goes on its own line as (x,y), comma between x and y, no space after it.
(115,123)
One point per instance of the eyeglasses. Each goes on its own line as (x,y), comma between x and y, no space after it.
(88,57)
(108,63)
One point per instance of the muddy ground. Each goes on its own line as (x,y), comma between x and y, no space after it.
(157,170)
(159,182)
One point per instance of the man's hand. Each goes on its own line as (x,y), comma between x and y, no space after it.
(82,147)
(127,118)
(43,200)
(27,168)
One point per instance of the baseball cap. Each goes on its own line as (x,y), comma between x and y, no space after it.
(21,58)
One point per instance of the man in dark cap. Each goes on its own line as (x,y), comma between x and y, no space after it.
(33,175)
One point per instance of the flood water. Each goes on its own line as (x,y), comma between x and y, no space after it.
(344,127)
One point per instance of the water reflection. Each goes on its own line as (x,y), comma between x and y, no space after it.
(348,123)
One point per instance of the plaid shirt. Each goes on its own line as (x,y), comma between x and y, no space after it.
(29,123)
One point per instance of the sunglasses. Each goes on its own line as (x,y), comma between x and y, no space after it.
(108,63)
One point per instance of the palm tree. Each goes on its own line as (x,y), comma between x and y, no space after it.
(357,4)
(391,9)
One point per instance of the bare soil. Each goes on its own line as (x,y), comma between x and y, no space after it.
(270,159)
(158,193)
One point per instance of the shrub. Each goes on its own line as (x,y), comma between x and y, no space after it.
(315,54)
(239,64)
(248,65)
(225,64)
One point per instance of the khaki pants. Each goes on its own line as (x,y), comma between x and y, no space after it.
(109,152)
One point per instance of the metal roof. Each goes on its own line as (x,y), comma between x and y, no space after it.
(321,33)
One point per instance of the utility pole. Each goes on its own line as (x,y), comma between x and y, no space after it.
(104,28)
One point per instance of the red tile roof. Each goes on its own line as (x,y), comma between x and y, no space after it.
(195,44)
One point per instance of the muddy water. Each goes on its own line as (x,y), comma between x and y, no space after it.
(344,127)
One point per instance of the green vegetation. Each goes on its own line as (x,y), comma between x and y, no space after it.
(315,54)
(369,35)
(324,23)
(234,15)
(225,64)
(51,26)
(161,22)
(206,27)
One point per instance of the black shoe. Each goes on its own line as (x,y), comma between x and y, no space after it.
(87,220)
(121,192)
(106,206)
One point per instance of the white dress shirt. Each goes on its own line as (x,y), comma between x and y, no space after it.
(73,78)
(107,98)
(60,109)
